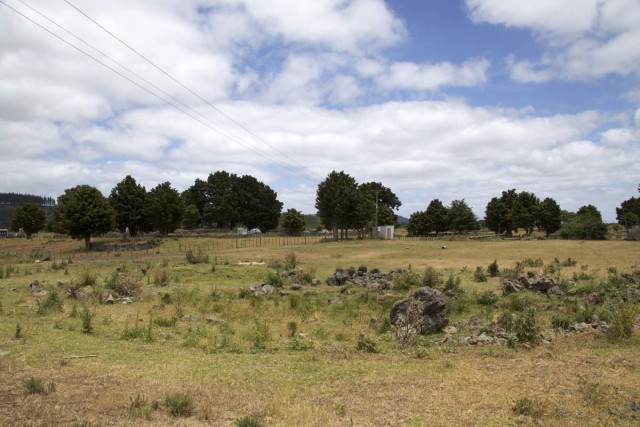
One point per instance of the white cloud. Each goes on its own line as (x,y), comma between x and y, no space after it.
(584,39)
(409,75)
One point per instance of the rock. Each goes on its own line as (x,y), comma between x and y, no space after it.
(555,290)
(541,284)
(110,299)
(430,309)
(60,285)
(284,293)
(444,247)
(447,339)
(316,282)
(509,287)
(362,270)
(335,300)
(340,277)
(188,318)
(481,339)
(274,264)
(580,327)
(34,287)
(547,335)
(127,300)
(463,340)
(375,271)
(295,286)
(450,329)
(215,321)
(351,271)
(595,298)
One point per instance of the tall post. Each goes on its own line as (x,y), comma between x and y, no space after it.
(376,220)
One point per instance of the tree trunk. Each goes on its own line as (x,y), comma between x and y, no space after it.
(335,232)
(87,242)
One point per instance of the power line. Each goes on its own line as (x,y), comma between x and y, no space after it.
(186,87)
(255,150)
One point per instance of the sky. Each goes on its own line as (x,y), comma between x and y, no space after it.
(446,99)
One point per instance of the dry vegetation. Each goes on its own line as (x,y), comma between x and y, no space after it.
(199,349)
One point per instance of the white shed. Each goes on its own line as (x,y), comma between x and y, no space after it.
(384,232)
(241,231)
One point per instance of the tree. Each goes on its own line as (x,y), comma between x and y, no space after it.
(191,218)
(198,195)
(222,203)
(461,217)
(418,224)
(528,216)
(496,216)
(257,204)
(587,224)
(437,216)
(165,208)
(28,217)
(628,214)
(82,212)
(549,216)
(129,201)
(292,221)
(512,211)
(334,200)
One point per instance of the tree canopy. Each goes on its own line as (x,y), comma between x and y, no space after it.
(83,212)
(30,218)
(129,200)
(586,224)
(292,221)
(165,208)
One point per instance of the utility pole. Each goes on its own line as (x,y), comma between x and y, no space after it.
(376,221)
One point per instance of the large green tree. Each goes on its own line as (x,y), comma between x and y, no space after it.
(437,216)
(628,214)
(511,211)
(549,216)
(129,200)
(82,212)
(418,224)
(292,221)
(28,217)
(165,208)
(334,200)
(461,217)
(257,204)
(586,224)
(496,216)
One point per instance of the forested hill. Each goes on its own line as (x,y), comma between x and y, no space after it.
(10,201)
(15,199)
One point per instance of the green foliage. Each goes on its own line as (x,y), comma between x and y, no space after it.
(587,224)
(292,327)
(179,404)
(366,344)
(290,261)
(487,298)
(165,208)
(87,278)
(479,275)
(526,327)
(454,285)
(86,316)
(431,277)
(161,277)
(531,262)
(621,317)
(505,320)
(493,269)
(28,217)
(292,222)
(191,218)
(83,211)
(33,385)
(129,201)
(260,335)
(196,259)
(461,218)
(407,280)
(51,302)
(274,279)
(549,216)
(569,262)
(248,422)
(337,199)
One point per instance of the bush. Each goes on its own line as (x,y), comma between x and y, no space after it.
(505,320)
(479,275)
(290,261)
(569,262)
(274,279)
(33,385)
(51,302)
(621,316)
(88,278)
(196,259)
(366,344)
(493,269)
(248,422)
(431,278)
(161,277)
(560,321)
(407,280)
(87,320)
(179,404)
(453,285)
(530,262)
(526,327)
(487,298)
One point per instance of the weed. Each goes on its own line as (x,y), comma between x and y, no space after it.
(526,327)
(515,303)
(260,335)
(479,275)
(161,277)
(51,302)
(384,326)
(87,320)
(526,406)
(18,333)
(33,385)
(179,404)
(292,327)
(585,315)
(431,277)
(493,269)
(248,422)
(560,321)
(487,298)
(165,322)
(300,345)
(274,279)
(569,262)
(407,280)
(366,344)
(290,261)
(530,262)
(196,258)
(87,278)
(621,316)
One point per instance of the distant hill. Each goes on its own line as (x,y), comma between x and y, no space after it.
(9,202)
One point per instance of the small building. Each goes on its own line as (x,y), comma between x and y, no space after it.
(242,231)
(4,232)
(384,232)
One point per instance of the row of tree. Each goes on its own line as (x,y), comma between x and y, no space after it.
(18,199)
(437,218)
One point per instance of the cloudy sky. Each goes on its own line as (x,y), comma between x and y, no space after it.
(443,99)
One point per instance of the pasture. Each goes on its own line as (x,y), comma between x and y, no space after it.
(315,356)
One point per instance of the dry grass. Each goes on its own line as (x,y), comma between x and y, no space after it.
(578,380)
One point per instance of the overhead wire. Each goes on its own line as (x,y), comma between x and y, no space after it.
(240,125)
(201,121)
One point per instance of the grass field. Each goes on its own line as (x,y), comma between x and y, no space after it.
(194,333)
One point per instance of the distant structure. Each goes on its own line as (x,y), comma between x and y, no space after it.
(4,232)
(384,232)
(242,231)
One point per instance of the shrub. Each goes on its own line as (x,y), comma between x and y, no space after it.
(526,327)
(274,279)
(560,321)
(530,262)
(128,286)
(161,277)
(248,422)
(290,261)
(487,298)
(453,285)
(366,344)
(505,320)
(621,317)
(88,278)
(260,335)
(431,278)
(407,280)
(87,320)
(33,385)
(196,259)
(292,327)
(179,404)
(493,269)
(569,262)
(479,275)
(51,302)
(585,315)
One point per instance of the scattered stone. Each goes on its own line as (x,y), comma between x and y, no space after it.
(509,287)
(595,298)
(284,293)
(447,339)
(430,307)
(110,299)
(215,321)
(295,286)
(362,270)
(316,282)
(274,264)
(261,289)
(334,300)
(450,329)
(547,335)
(555,290)
(34,287)
(580,327)
(189,318)
(444,247)
(481,339)
(127,300)
(60,285)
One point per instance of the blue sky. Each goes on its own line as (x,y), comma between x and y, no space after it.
(443,99)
